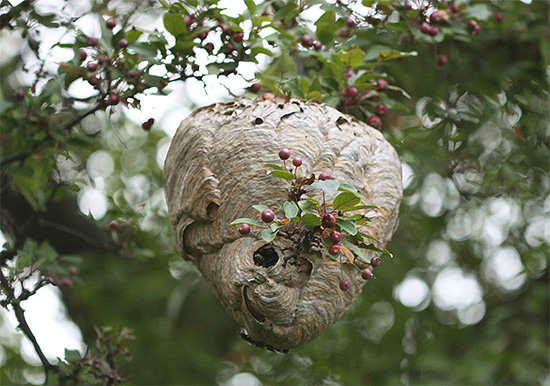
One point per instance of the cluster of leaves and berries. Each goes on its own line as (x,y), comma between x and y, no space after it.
(321,211)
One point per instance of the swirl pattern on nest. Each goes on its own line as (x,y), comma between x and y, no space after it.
(214,173)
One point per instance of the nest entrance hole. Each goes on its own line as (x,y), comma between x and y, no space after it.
(265,256)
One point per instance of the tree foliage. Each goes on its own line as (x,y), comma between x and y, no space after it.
(468,115)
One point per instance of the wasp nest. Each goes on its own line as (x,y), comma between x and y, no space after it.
(214,173)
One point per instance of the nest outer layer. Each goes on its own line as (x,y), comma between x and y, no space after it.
(214,172)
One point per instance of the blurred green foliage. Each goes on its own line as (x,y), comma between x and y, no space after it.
(464,301)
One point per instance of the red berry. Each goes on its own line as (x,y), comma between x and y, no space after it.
(408,5)
(345,33)
(434,31)
(19,95)
(188,20)
(202,35)
(122,43)
(499,17)
(435,18)
(102,59)
(110,23)
(425,28)
(381,84)
(114,99)
(132,73)
(91,67)
(113,224)
(476,30)
(284,154)
(83,55)
(93,80)
(351,92)
(350,22)
(334,249)
(374,121)
(349,73)
(67,283)
(471,24)
(297,161)
(267,215)
(92,42)
(381,109)
(255,88)
(228,47)
(345,285)
(455,8)
(442,60)
(307,41)
(238,37)
(148,124)
(244,229)
(317,45)
(325,176)
(375,261)
(72,270)
(335,237)
(366,274)
(328,221)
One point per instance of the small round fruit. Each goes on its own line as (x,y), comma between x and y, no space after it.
(442,60)
(284,154)
(328,221)
(335,237)
(434,31)
(110,23)
(317,45)
(114,99)
(381,84)
(375,261)
(83,55)
(455,8)
(476,30)
(471,24)
(350,22)
(92,42)
(72,270)
(19,95)
(381,109)
(113,224)
(425,28)
(408,5)
(91,67)
(345,33)
(297,161)
(188,20)
(340,213)
(325,176)
(228,47)
(102,59)
(351,92)
(238,37)
(307,40)
(244,229)
(345,285)
(255,87)
(435,18)
(349,73)
(267,215)
(499,17)
(148,124)
(202,35)
(374,121)
(67,283)
(334,249)
(122,43)
(93,80)
(367,274)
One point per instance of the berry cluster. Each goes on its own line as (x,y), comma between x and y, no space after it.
(316,209)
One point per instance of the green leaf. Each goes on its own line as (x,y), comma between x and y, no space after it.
(290,9)
(308,205)
(478,12)
(344,186)
(345,201)
(347,226)
(46,252)
(72,355)
(268,235)
(395,88)
(358,207)
(173,22)
(248,221)
(260,208)
(26,256)
(291,209)
(325,27)
(311,219)
(356,250)
(282,174)
(273,166)
(328,186)
(352,58)
(251,6)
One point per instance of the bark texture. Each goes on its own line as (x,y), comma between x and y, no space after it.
(213,175)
